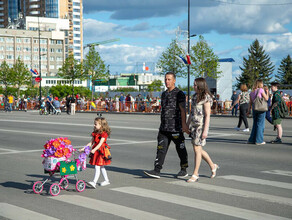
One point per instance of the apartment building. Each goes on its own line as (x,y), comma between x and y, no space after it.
(11,10)
(25,44)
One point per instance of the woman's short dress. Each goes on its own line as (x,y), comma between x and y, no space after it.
(197,120)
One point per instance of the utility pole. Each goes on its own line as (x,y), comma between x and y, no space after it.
(40,63)
(188,104)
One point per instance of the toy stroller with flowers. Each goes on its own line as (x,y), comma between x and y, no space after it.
(57,156)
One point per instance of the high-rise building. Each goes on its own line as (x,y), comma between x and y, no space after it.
(11,10)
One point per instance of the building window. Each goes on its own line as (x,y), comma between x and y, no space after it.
(59,59)
(76,41)
(76,10)
(52,66)
(9,39)
(8,48)
(35,49)
(35,41)
(1,48)
(59,50)
(26,57)
(76,29)
(35,58)
(52,58)
(1,39)
(76,22)
(9,57)
(43,41)
(59,42)
(76,35)
(52,50)
(26,40)
(52,42)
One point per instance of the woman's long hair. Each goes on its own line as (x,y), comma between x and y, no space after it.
(104,126)
(258,84)
(202,89)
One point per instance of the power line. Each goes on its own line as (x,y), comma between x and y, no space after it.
(251,4)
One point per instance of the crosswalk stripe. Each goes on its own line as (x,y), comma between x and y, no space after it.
(17,213)
(110,208)
(279,172)
(236,192)
(197,204)
(258,181)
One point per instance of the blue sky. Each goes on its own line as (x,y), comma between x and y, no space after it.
(147,27)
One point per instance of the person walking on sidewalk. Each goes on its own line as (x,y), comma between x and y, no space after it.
(198,122)
(243,100)
(173,124)
(277,120)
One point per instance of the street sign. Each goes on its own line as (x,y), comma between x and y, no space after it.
(38,79)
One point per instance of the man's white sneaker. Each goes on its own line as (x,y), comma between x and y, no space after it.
(92,184)
(105,183)
(246,130)
(237,129)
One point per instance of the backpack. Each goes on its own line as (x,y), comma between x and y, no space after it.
(283,109)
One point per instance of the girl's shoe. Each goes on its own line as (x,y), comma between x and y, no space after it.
(193,179)
(214,171)
(237,128)
(246,130)
(92,184)
(105,183)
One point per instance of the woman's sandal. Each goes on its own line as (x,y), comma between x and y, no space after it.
(214,171)
(193,179)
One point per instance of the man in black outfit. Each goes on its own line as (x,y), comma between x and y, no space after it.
(173,124)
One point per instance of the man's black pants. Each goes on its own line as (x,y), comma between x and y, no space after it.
(164,139)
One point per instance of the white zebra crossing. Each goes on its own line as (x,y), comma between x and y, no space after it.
(123,211)
(198,204)
(279,172)
(257,181)
(236,192)
(17,213)
(110,208)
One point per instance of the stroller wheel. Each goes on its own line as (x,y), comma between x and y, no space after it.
(55,189)
(80,186)
(64,183)
(38,187)
(41,112)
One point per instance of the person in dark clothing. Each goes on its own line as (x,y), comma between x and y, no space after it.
(68,102)
(173,124)
(234,97)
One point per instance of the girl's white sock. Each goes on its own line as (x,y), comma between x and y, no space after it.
(104,173)
(97,173)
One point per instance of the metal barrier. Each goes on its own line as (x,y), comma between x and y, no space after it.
(220,107)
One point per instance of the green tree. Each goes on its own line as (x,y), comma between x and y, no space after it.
(94,67)
(285,71)
(5,76)
(257,66)
(72,70)
(204,61)
(20,74)
(169,62)
(155,86)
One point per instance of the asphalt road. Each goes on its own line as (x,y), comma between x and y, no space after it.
(253,182)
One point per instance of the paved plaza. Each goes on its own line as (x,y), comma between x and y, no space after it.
(253,182)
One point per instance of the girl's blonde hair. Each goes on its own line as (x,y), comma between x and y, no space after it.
(104,126)
(258,84)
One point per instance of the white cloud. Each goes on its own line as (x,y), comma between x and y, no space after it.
(124,57)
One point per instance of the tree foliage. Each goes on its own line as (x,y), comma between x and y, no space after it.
(62,91)
(5,76)
(257,66)
(155,86)
(169,62)
(94,67)
(72,70)
(285,71)
(20,75)
(204,61)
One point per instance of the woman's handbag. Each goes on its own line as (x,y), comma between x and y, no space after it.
(260,104)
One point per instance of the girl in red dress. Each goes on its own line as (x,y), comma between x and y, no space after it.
(98,158)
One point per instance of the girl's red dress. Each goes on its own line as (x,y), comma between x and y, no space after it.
(98,158)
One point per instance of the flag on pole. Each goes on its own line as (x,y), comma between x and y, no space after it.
(189,59)
(35,72)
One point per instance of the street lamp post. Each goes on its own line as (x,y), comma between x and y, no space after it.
(189,36)
(40,67)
